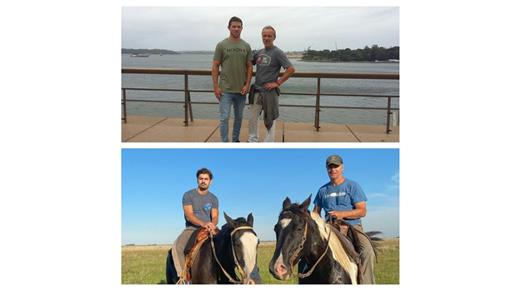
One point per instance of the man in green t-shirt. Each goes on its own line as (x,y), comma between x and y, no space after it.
(234,55)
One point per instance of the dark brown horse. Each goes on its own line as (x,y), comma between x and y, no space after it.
(233,247)
(323,256)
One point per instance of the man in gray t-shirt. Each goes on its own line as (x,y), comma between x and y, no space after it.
(269,61)
(202,205)
(200,208)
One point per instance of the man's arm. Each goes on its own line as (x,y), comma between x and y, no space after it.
(214,216)
(286,75)
(188,212)
(249,76)
(214,77)
(359,211)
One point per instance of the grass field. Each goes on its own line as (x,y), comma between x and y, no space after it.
(146,264)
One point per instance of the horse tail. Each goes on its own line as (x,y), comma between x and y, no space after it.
(372,235)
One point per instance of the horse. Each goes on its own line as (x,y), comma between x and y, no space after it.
(322,254)
(234,246)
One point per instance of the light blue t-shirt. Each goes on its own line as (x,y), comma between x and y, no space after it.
(340,197)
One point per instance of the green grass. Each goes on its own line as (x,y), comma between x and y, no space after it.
(146,264)
(387,266)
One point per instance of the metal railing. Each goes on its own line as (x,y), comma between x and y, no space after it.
(188,112)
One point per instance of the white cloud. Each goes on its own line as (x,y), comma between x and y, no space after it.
(199,28)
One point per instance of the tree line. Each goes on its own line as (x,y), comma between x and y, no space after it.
(374,53)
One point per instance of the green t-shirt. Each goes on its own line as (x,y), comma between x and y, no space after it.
(233,57)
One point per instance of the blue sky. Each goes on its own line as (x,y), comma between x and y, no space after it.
(247,180)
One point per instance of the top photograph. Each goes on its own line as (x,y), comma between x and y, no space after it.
(260,74)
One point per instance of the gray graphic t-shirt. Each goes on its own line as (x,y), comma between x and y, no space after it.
(268,63)
(202,205)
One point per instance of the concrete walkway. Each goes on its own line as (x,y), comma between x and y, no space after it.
(163,129)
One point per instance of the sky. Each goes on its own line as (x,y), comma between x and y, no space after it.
(247,181)
(298,28)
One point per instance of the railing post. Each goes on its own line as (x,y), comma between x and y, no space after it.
(317,112)
(388,112)
(124,105)
(186,100)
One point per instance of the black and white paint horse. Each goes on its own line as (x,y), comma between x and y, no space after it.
(303,237)
(233,247)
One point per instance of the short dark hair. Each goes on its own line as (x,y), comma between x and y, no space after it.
(235,19)
(204,171)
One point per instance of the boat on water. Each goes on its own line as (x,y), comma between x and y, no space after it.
(139,55)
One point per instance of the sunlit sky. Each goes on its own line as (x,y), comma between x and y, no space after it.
(247,180)
(298,28)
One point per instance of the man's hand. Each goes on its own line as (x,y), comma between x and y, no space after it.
(210,227)
(218,93)
(271,86)
(244,90)
(334,214)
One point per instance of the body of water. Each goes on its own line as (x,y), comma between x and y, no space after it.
(203,61)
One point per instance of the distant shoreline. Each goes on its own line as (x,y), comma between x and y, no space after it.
(326,60)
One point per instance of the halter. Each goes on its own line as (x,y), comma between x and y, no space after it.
(240,270)
(300,248)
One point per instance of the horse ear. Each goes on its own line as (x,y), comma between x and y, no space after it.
(306,203)
(286,203)
(229,220)
(250,219)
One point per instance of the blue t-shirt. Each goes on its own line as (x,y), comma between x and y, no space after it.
(340,197)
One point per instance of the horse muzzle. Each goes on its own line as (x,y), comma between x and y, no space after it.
(280,271)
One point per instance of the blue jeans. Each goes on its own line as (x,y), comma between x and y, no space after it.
(239,101)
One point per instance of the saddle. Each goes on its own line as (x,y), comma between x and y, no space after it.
(192,249)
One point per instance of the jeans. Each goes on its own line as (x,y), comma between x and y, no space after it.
(238,100)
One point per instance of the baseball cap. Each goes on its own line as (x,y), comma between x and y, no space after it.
(334,159)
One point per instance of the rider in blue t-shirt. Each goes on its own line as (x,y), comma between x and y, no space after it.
(344,199)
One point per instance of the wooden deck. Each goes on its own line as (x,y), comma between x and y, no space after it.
(164,129)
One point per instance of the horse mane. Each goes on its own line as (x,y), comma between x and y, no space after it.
(226,229)
(338,253)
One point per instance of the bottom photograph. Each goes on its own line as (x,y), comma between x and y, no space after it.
(260,216)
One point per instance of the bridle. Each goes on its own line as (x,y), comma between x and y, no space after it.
(300,249)
(237,264)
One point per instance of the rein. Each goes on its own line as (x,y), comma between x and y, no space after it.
(240,270)
(305,275)
(300,248)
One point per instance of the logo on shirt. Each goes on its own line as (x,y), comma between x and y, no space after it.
(263,59)
(207,207)
(236,50)
(336,194)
